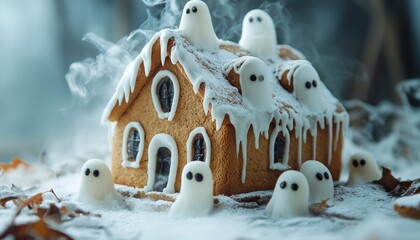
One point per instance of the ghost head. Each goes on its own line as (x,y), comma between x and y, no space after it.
(363,168)
(254,77)
(259,34)
(197,26)
(290,197)
(308,88)
(321,186)
(196,196)
(96,184)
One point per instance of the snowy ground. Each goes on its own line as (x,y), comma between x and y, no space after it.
(367,206)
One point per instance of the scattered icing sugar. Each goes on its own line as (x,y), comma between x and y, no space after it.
(211,69)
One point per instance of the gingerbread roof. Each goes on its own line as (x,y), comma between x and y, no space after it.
(209,74)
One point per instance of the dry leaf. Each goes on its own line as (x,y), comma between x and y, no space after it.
(34,230)
(4,200)
(35,200)
(396,187)
(15,163)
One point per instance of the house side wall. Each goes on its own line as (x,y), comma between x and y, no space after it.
(260,177)
(189,115)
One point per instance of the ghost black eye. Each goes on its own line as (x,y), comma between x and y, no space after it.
(87,171)
(187,11)
(314,84)
(194,9)
(308,85)
(199,177)
(326,175)
(363,162)
(283,185)
(319,176)
(189,175)
(259,19)
(96,173)
(261,78)
(253,78)
(355,163)
(295,187)
(251,20)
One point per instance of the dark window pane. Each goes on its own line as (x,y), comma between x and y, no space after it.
(163,165)
(165,91)
(133,144)
(279,145)
(199,146)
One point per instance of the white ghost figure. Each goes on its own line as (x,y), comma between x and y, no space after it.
(96,184)
(254,77)
(308,88)
(259,34)
(197,26)
(290,197)
(321,186)
(196,196)
(363,168)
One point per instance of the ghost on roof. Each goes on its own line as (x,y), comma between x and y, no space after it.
(301,78)
(290,197)
(256,85)
(363,168)
(197,26)
(196,196)
(259,34)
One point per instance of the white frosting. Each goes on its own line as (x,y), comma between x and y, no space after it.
(125,162)
(363,168)
(226,101)
(96,185)
(202,131)
(254,77)
(196,196)
(197,27)
(162,140)
(287,202)
(161,114)
(320,188)
(412,201)
(259,34)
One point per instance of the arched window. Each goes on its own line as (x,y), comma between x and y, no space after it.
(279,149)
(133,145)
(279,146)
(165,94)
(198,146)
(162,165)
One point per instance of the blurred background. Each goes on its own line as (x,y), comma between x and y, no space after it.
(61,60)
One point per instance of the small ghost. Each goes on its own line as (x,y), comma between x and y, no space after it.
(96,185)
(254,77)
(197,26)
(363,168)
(290,197)
(308,88)
(196,196)
(259,34)
(321,186)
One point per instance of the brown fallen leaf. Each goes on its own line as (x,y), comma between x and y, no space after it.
(35,200)
(34,230)
(4,200)
(15,163)
(396,187)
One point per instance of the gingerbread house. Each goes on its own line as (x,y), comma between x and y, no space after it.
(176,103)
